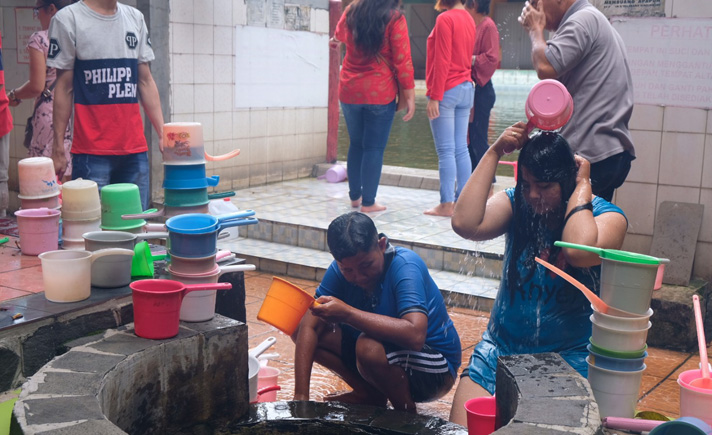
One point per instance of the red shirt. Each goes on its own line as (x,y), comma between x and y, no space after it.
(5,115)
(372,80)
(449,52)
(486,52)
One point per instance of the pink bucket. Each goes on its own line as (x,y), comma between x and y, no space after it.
(549,106)
(39,230)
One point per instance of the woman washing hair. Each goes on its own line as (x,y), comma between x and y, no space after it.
(376,65)
(535,311)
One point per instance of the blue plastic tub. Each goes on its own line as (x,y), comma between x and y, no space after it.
(617,364)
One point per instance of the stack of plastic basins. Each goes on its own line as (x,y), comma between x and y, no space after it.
(81,212)
(38,183)
(618,344)
(185,184)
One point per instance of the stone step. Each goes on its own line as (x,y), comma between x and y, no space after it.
(459,289)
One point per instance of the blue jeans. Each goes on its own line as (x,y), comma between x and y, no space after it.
(369,126)
(479,143)
(130,168)
(450,136)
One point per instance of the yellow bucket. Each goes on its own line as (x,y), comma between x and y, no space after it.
(285,305)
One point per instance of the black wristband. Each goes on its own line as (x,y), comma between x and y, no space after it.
(578,208)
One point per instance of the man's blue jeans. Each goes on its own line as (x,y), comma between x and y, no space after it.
(450,136)
(369,126)
(130,168)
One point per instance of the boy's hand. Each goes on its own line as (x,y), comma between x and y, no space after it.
(331,309)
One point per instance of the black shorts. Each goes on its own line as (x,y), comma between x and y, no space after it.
(427,370)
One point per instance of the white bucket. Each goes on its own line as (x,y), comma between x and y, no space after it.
(618,340)
(616,392)
(628,286)
(622,323)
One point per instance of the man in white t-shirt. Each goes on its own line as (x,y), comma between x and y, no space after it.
(588,56)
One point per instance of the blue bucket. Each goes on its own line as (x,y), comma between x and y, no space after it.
(617,364)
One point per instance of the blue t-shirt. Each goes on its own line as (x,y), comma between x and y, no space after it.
(546,314)
(406,287)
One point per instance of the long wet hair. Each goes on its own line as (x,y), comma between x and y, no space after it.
(350,234)
(548,157)
(367,20)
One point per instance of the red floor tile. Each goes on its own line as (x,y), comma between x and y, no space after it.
(27,278)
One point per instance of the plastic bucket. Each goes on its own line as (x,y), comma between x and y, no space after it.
(618,340)
(183,143)
(117,200)
(74,230)
(185,197)
(694,402)
(284,305)
(481,413)
(156,305)
(37,178)
(267,377)
(683,426)
(612,363)
(628,286)
(617,354)
(336,174)
(48,202)
(38,229)
(549,105)
(80,200)
(616,392)
(622,323)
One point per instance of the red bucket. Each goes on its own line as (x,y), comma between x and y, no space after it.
(156,305)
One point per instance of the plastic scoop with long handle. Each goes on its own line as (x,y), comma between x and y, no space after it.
(705,381)
(257,351)
(597,302)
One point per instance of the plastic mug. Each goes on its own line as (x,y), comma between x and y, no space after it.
(481,413)
(267,377)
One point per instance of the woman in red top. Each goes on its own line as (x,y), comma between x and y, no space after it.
(376,64)
(450,92)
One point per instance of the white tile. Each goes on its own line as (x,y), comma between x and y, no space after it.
(275,121)
(305,120)
(677,193)
(304,144)
(204,99)
(638,203)
(681,159)
(207,120)
(258,123)
(321,119)
(222,101)
(685,120)
(646,117)
(222,13)
(258,150)
(223,40)
(203,12)
(319,145)
(203,39)
(223,125)
(241,123)
(182,38)
(203,68)
(706,230)
(182,68)
(707,164)
(223,71)
(691,9)
(243,159)
(183,99)
(640,243)
(181,11)
(646,165)
(221,147)
(275,151)
(290,121)
(239,13)
(183,117)
(320,18)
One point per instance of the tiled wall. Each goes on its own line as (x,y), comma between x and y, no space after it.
(276,143)
(674,162)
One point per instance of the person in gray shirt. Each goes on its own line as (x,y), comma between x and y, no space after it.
(588,56)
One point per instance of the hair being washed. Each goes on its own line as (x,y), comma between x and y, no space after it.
(367,20)
(351,234)
(548,158)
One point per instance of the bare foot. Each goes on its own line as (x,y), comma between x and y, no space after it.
(443,209)
(356,203)
(371,208)
(355,398)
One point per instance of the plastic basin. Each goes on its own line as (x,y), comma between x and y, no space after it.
(612,363)
(284,305)
(616,392)
(622,323)
(619,340)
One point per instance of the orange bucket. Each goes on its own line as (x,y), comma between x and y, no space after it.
(285,305)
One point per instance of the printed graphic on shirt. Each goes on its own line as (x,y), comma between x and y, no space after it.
(131,40)
(106,81)
(53,48)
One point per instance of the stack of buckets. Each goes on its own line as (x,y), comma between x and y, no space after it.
(38,220)
(617,348)
(81,212)
(117,200)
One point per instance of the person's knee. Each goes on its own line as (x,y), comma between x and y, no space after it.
(370,354)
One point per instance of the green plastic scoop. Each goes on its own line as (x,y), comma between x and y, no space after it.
(615,254)
(142,261)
